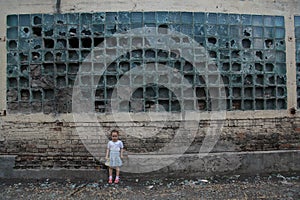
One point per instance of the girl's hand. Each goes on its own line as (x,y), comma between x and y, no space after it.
(122,156)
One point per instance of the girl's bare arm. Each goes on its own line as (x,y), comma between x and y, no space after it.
(122,150)
(107,153)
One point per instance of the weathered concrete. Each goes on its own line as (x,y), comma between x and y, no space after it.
(44,141)
(7,163)
(187,165)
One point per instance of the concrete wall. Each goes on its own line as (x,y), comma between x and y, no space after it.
(46,141)
(285,8)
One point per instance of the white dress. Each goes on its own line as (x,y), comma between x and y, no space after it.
(114,153)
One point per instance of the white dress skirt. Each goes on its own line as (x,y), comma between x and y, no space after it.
(115,160)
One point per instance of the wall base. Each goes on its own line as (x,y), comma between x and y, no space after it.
(250,163)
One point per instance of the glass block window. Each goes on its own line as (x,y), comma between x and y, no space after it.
(297,36)
(46,51)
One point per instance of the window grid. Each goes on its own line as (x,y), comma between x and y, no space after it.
(246,52)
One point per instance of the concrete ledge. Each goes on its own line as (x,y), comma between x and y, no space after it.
(141,117)
(250,163)
(257,162)
(63,174)
(7,163)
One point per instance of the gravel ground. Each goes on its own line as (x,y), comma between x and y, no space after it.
(273,186)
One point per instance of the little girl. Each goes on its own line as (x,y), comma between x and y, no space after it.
(115,152)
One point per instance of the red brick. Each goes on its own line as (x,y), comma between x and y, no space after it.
(297,130)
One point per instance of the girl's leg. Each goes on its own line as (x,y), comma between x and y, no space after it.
(117,171)
(117,174)
(110,170)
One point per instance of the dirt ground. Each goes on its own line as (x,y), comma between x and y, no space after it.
(271,186)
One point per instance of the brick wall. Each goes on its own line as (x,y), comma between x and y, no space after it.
(57,144)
